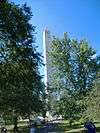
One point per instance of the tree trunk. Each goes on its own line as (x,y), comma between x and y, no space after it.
(15,124)
(70,123)
(44,114)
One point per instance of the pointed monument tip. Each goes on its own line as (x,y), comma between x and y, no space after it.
(46,28)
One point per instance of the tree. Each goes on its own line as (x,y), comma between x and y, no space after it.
(76,64)
(20,81)
(92,111)
(68,108)
(75,67)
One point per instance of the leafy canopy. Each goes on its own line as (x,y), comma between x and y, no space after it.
(20,81)
(76,64)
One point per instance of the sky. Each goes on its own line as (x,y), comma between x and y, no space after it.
(80,18)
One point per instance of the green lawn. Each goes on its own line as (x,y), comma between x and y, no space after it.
(62,127)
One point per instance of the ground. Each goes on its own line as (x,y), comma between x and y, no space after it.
(57,127)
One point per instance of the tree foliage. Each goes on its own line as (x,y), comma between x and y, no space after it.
(69,108)
(20,81)
(75,68)
(76,64)
(92,111)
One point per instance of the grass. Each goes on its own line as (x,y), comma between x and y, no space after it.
(76,128)
(61,127)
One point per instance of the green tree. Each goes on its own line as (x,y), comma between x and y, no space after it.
(20,81)
(68,108)
(92,111)
(75,67)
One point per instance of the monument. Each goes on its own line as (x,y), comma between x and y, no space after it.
(47,60)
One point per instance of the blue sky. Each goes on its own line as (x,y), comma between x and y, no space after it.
(80,18)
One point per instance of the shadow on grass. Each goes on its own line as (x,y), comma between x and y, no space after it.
(57,127)
(98,129)
(22,129)
(62,127)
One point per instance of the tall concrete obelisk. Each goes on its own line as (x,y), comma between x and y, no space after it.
(47,39)
(47,49)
